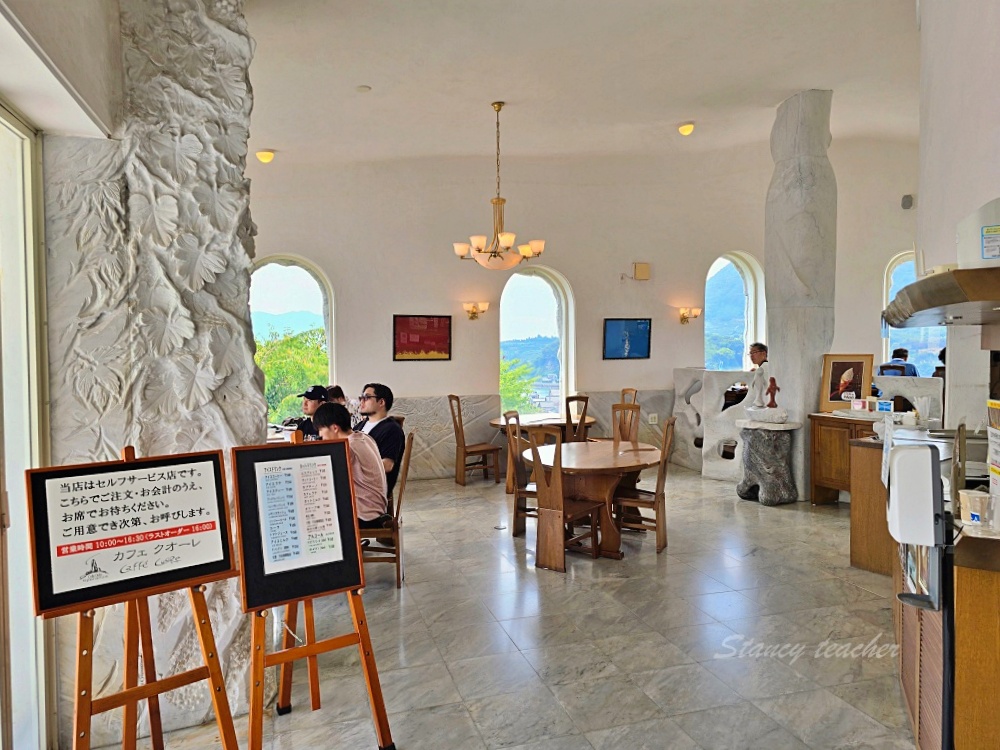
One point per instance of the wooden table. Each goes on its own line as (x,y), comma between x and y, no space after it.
(594,470)
(528,422)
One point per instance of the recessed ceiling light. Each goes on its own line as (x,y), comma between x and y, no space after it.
(362,89)
(265,156)
(686,128)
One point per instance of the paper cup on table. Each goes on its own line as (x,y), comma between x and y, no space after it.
(974,505)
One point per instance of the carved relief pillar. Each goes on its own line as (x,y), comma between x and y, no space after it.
(149,251)
(800,248)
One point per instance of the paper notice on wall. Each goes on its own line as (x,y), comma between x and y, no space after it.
(993,456)
(126,524)
(299,523)
(991,242)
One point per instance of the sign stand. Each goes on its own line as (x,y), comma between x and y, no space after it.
(305,587)
(309,650)
(139,644)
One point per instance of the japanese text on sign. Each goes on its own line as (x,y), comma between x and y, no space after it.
(131,523)
(299,523)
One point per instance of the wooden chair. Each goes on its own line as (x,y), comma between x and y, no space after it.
(557,513)
(635,499)
(482,452)
(630,396)
(576,433)
(394,526)
(524,490)
(625,422)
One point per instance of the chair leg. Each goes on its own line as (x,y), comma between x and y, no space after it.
(595,550)
(397,541)
(518,524)
(460,467)
(496,467)
(661,524)
(550,549)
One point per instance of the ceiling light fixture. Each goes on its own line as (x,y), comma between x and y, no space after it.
(499,255)
(266,156)
(686,128)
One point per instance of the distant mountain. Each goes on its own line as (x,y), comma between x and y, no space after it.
(725,320)
(541,352)
(291,322)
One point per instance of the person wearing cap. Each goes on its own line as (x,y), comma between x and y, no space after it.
(333,422)
(375,404)
(311,400)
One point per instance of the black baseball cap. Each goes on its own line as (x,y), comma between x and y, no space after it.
(314,393)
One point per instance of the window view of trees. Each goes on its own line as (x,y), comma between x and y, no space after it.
(924,344)
(530,375)
(725,317)
(286,311)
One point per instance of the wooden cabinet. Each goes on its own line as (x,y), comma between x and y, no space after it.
(871,546)
(922,667)
(830,454)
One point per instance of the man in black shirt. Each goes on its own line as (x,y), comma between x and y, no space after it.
(384,430)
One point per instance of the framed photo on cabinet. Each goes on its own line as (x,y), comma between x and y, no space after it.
(845,378)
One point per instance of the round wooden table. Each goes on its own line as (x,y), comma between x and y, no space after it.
(528,422)
(594,470)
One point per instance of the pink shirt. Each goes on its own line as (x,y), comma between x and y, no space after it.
(368,476)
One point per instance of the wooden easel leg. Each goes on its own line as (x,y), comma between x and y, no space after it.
(284,704)
(84,688)
(149,672)
(258,635)
(312,664)
(216,683)
(382,734)
(130,717)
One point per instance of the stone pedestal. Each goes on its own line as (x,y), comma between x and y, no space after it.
(767,462)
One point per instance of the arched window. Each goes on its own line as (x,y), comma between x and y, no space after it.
(537,352)
(292,322)
(923,344)
(735,311)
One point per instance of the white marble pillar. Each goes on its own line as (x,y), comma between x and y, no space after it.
(149,250)
(800,246)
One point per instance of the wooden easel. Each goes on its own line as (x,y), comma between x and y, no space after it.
(139,644)
(309,650)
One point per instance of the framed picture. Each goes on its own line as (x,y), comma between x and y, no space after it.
(626,338)
(421,338)
(845,377)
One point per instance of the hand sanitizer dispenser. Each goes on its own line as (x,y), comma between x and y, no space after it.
(916,512)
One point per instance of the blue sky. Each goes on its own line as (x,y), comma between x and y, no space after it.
(280,289)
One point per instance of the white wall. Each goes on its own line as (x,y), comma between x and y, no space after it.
(959,119)
(382,233)
(82,40)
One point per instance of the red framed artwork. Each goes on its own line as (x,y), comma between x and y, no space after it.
(421,338)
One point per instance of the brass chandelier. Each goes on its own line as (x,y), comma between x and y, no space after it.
(499,255)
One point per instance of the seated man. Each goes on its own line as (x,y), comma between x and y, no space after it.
(311,400)
(367,473)
(375,404)
(899,357)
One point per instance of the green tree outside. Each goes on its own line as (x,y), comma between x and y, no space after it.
(517,382)
(291,362)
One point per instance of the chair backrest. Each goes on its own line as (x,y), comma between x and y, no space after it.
(550,491)
(665,446)
(455,404)
(891,370)
(398,419)
(404,469)
(515,446)
(576,433)
(625,422)
(630,396)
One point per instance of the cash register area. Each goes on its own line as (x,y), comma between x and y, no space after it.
(751,630)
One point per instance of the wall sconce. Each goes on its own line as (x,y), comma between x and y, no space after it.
(474,308)
(687,313)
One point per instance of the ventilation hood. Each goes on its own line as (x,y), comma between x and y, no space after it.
(965,296)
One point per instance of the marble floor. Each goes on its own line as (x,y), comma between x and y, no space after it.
(750,630)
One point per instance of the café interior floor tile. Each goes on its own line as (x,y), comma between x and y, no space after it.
(480,649)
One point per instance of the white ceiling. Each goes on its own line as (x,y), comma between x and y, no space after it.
(579,76)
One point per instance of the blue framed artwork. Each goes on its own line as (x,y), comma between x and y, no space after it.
(626,338)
